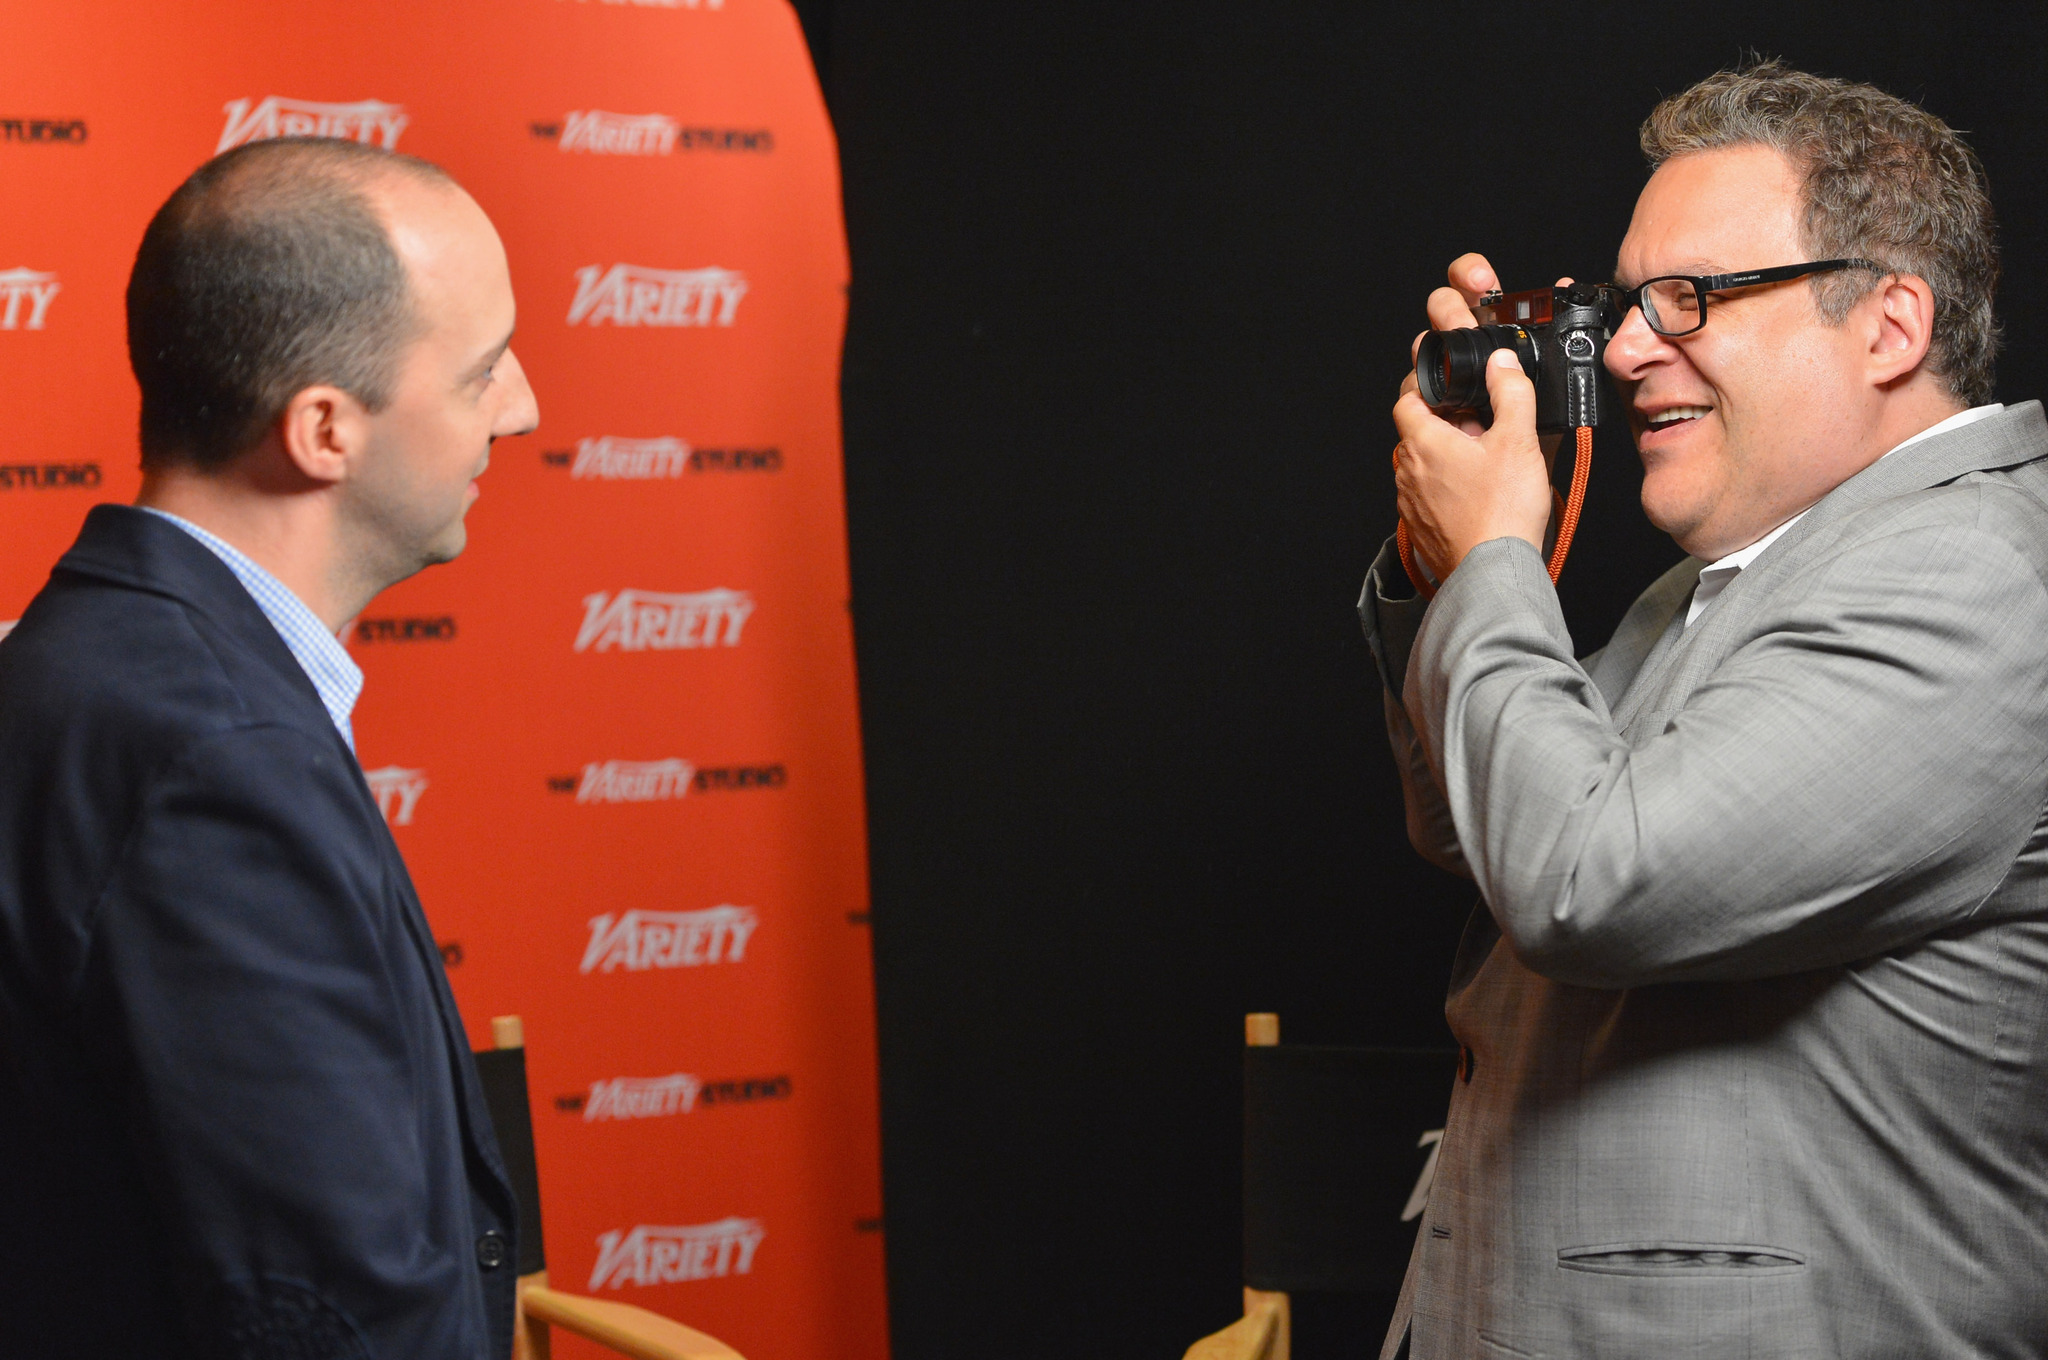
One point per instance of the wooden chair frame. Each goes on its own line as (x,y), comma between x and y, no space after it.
(622,1327)
(1265,1332)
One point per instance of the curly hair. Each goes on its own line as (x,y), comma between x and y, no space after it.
(1883,180)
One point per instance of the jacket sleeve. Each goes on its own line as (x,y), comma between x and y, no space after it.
(1861,771)
(1391,611)
(254,997)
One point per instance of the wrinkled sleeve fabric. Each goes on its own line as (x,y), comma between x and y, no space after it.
(242,998)
(1391,612)
(1860,771)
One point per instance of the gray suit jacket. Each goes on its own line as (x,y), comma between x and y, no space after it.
(1756,1000)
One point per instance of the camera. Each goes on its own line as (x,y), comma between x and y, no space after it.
(1559,334)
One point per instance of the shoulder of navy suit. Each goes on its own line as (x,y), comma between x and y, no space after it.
(143,556)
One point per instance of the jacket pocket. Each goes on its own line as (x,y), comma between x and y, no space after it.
(1669,1259)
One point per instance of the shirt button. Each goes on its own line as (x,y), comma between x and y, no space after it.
(490,1250)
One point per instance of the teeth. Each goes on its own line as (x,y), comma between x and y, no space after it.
(1679,413)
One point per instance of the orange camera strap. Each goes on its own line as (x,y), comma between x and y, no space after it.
(1567,524)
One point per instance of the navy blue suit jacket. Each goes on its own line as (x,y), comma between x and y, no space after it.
(238,1116)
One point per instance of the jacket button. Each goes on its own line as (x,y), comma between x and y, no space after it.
(490,1250)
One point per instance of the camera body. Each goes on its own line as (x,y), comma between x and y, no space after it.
(1559,334)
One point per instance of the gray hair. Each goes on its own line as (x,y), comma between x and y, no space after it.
(1884,180)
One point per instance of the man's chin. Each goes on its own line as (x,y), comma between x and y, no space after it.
(1676,515)
(448,547)
(444,546)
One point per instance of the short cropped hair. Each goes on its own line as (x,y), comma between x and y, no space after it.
(1883,180)
(268,271)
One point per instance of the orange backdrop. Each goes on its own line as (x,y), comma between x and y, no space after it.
(617,740)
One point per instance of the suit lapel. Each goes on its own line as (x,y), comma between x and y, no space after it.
(1687,656)
(1651,677)
(1642,646)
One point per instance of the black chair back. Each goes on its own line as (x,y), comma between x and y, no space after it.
(503,1074)
(1332,1156)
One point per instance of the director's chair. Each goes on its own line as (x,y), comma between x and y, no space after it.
(1339,1151)
(622,1327)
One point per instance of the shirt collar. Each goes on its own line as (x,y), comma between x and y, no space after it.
(1714,577)
(336,677)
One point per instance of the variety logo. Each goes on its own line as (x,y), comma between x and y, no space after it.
(397,791)
(639,940)
(48,476)
(641,1097)
(33,287)
(597,133)
(653,781)
(441,629)
(619,134)
(735,1091)
(630,295)
(614,458)
(644,620)
(70,131)
(370,121)
(634,781)
(651,1255)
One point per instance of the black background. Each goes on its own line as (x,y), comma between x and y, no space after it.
(1133,290)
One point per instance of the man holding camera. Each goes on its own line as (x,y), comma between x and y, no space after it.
(1755,1042)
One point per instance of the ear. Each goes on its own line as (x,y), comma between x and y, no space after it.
(1902,317)
(323,431)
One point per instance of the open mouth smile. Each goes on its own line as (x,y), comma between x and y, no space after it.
(1660,424)
(1672,415)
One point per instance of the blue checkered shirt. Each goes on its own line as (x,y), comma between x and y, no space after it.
(334,673)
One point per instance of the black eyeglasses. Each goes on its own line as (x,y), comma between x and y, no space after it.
(1676,304)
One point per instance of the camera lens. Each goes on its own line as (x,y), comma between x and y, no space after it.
(1450,368)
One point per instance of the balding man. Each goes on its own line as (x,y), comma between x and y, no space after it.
(237,1112)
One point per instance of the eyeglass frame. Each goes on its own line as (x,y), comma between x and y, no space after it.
(1703,284)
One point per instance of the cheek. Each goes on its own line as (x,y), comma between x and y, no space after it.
(1781,370)
(455,440)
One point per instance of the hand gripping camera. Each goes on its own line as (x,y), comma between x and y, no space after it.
(1559,334)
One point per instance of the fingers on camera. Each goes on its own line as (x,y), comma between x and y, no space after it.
(1450,310)
(1472,276)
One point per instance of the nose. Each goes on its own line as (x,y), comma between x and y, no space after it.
(1635,347)
(521,412)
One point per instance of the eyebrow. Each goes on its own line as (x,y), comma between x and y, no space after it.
(1693,268)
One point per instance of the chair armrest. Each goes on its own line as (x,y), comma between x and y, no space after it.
(1261,1334)
(626,1329)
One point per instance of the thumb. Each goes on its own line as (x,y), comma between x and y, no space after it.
(1512,394)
